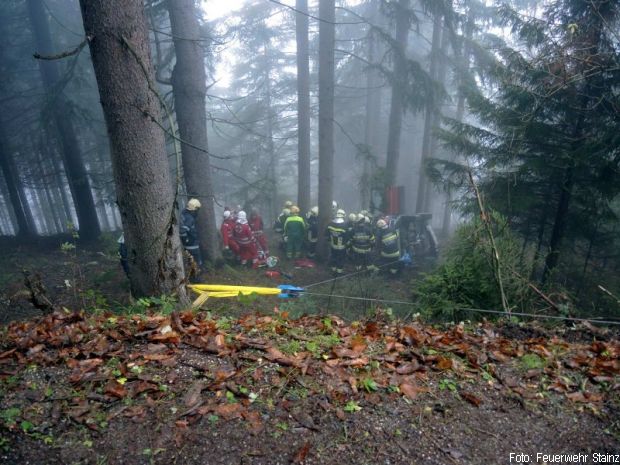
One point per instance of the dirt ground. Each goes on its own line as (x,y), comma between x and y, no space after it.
(257,382)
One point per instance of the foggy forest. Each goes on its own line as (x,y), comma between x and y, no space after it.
(277,231)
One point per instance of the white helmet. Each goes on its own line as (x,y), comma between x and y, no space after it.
(226,214)
(364,213)
(366,219)
(286,212)
(314,211)
(340,213)
(193,205)
(352,217)
(288,204)
(241,216)
(381,224)
(334,205)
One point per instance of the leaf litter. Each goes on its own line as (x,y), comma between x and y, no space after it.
(184,369)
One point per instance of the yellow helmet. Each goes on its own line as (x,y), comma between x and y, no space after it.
(193,205)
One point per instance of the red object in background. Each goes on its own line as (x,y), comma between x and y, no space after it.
(394,197)
(272,274)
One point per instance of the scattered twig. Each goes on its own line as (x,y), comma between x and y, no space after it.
(496,260)
(66,54)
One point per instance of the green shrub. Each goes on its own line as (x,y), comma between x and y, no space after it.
(466,278)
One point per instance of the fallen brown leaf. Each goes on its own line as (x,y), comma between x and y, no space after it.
(411,390)
(408,368)
(301,453)
(471,398)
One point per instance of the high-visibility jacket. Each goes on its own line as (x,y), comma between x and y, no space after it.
(338,235)
(294,227)
(362,238)
(389,242)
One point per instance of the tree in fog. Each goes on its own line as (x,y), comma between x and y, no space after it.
(402,17)
(327,33)
(253,121)
(303,106)
(547,153)
(433,109)
(118,41)
(17,197)
(61,114)
(189,89)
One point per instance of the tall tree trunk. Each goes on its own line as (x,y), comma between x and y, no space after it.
(43,212)
(373,109)
(74,165)
(559,224)
(303,106)
(47,188)
(120,52)
(21,209)
(190,90)
(60,183)
(399,81)
(271,152)
(429,119)
(7,225)
(463,61)
(327,36)
(99,190)
(440,78)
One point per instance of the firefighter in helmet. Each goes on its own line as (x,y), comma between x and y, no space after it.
(338,238)
(188,230)
(388,241)
(312,231)
(294,232)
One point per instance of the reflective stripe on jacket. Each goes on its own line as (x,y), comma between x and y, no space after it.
(390,243)
(337,235)
(295,226)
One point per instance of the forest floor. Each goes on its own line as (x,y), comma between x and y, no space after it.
(107,380)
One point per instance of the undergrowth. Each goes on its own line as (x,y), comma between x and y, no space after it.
(465,277)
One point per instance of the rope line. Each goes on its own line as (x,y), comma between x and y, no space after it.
(348,275)
(476,310)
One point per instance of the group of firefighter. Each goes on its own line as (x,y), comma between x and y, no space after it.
(369,244)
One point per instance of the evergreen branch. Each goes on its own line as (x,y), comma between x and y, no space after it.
(335,23)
